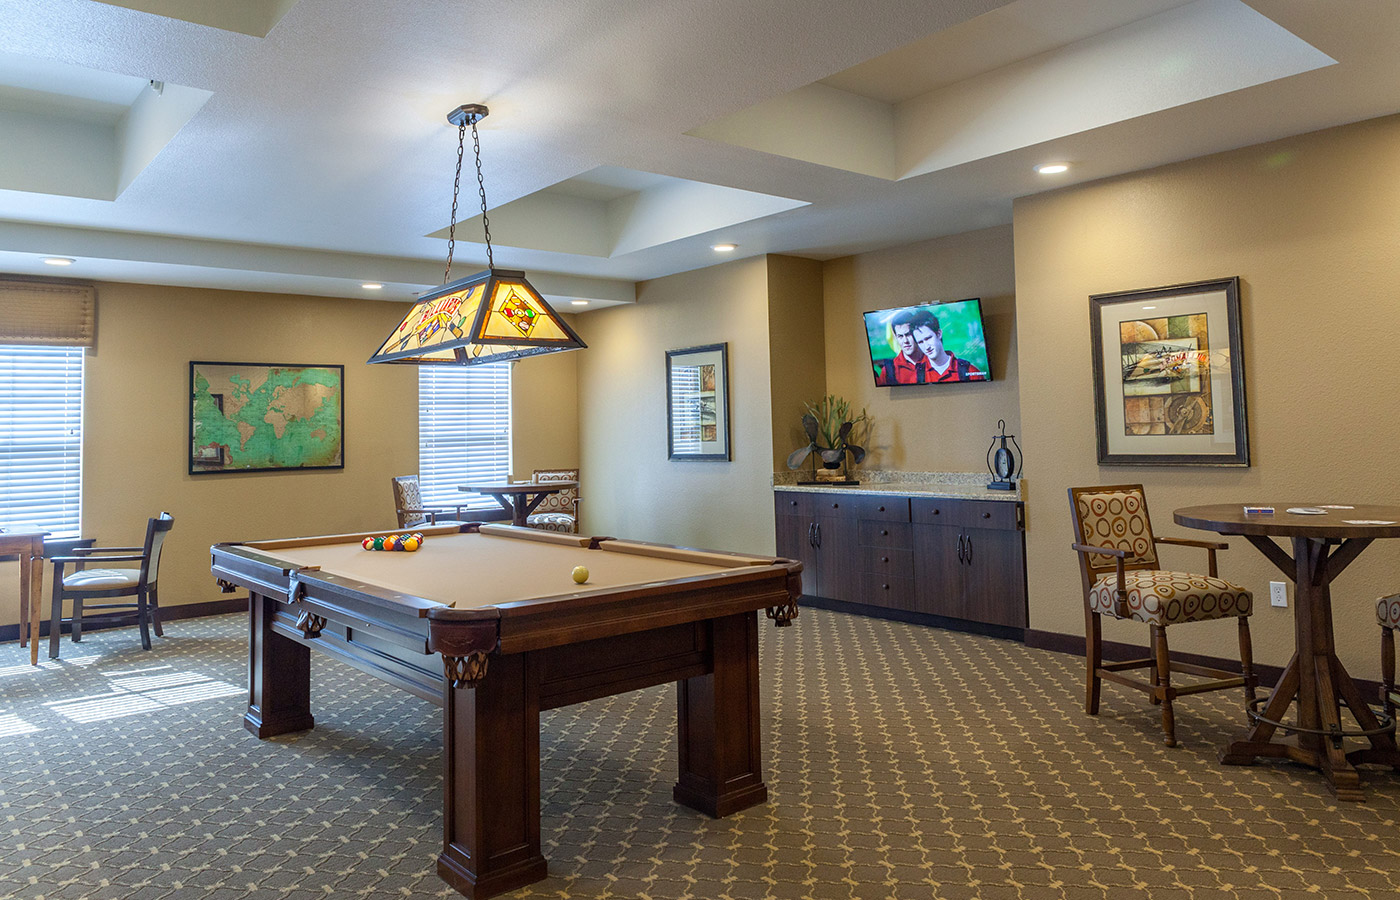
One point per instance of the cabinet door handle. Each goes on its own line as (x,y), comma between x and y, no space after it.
(818,527)
(884,533)
(882,509)
(969,549)
(986,515)
(835,506)
(811,534)
(884,559)
(960,548)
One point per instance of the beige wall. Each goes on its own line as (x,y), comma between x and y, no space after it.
(630,488)
(796,336)
(1309,225)
(136,415)
(936,427)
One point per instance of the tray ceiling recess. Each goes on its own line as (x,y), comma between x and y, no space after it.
(251,17)
(955,96)
(82,132)
(610,211)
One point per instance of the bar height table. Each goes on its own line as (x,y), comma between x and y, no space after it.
(1323,545)
(519,498)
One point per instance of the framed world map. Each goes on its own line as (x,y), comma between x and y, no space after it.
(257,417)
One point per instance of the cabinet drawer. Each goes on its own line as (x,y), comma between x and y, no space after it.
(793,503)
(887,561)
(833,505)
(885,534)
(890,591)
(966,513)
(884,509)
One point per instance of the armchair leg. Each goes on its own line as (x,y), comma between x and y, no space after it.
(1163,685)
(77,619)
(1388,670)
(1251,681)
(142,619)
(153,601)
(55,615)
(1093,658)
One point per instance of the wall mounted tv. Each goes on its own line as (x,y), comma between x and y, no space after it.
(933,343)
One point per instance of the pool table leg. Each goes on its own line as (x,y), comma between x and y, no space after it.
(721,769)
(491,781)
(279,676)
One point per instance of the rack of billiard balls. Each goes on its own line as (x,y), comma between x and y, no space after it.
(407,542)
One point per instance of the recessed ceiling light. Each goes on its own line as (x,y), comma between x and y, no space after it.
(372,286)
(1052,168)
(1149,307)
(58,261)
(579,302)
(724,248)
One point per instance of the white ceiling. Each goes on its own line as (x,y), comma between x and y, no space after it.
(309,150)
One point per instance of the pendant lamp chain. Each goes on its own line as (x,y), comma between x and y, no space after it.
(456,189)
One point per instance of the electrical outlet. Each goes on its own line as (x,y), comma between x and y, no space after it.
(1278,593)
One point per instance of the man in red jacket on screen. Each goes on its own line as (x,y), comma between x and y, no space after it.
(941,365)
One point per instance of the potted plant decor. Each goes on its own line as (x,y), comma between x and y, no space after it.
(833,431)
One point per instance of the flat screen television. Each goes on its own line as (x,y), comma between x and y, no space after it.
(932,343)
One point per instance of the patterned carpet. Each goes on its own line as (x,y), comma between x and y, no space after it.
(902,762)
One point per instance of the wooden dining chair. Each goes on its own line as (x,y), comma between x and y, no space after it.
(1121,578)
(408,506)
(85,584)
(1388,617)
(558,511)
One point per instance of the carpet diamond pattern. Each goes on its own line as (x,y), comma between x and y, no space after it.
(902,762)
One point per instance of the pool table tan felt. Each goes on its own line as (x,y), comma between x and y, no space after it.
(517,636)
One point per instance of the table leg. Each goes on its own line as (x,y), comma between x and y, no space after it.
(491,782)
(279,675)
(31,573)
(720,735)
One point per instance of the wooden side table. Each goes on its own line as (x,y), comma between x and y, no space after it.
(30,547)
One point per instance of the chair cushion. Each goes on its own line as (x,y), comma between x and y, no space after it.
(1158,597)
(1388,611)
(102,579)
(551,522)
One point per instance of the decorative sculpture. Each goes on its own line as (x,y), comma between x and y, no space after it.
(830,421)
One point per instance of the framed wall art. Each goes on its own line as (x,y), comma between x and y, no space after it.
(257,417)
(697,403)
(1169,376)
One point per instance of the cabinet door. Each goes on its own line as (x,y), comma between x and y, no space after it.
(938,573)
(994,579)
(838,549)
(794,542)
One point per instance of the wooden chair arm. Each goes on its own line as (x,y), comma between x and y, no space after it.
(77,550)
(1209,546)
(1120,595)
(126,557)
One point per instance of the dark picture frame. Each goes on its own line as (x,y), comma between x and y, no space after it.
(282,422)
(697,404)
(1169,385)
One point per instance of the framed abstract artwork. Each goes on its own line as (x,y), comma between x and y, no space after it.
(258,417)
(1169,376)
(697,403)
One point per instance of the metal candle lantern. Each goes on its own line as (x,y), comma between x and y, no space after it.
(1004,465)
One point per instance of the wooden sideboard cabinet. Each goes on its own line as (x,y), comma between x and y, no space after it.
(953,559)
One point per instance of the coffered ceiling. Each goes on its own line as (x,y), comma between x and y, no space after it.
(301,145)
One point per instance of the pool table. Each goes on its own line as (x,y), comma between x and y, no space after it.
(515,636)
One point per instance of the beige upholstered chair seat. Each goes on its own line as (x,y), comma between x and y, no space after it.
(1388,611)
(1159,597)
(552,522)
(103,579)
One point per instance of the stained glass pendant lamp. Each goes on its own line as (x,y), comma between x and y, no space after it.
(492,316)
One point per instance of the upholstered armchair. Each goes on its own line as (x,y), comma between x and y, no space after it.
(84,584)
(1121,577)
(408,505)
(558,511)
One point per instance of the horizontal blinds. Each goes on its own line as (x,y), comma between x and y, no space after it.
(37,312)
(685,409)
(41,438)
(463,431)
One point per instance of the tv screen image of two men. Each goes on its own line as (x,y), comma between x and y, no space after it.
(933,343)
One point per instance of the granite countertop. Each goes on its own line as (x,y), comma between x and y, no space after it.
(951,485)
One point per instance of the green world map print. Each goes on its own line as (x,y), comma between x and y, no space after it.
(249,417)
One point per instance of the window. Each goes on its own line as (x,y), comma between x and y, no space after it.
(463,431)
(41,438)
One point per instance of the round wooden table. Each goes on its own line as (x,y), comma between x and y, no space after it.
(1323,545)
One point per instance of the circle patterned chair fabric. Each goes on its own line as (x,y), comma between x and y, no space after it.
(1121,577)
(558,511)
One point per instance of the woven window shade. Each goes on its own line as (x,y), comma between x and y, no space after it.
(54,315)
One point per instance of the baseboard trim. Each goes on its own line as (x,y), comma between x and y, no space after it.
(102,621)
(1004,632)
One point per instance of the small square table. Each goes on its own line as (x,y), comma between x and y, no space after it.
(30,547)
(519,498)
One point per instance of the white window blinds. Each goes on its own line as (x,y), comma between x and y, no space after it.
(685,409)
(41,438)
(463,431)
